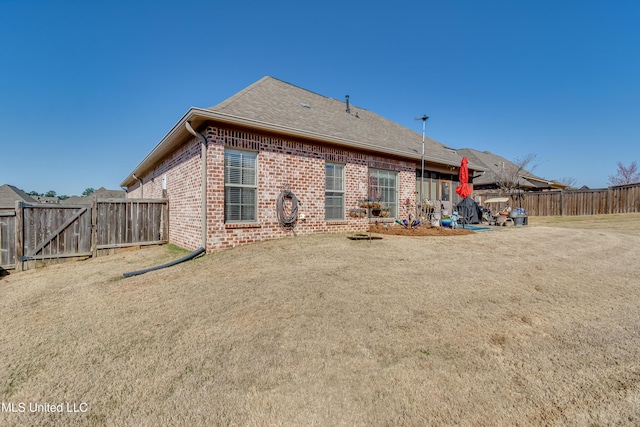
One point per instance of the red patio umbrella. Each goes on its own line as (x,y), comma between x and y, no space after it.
(463,189)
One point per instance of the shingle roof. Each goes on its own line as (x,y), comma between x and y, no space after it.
(9,195)
(100,193)
(272,105)
(276,102)
(103,193)
(76,200)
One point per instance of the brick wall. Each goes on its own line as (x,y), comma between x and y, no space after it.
(282,162)
(182,171)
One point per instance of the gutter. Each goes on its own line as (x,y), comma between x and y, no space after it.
(141,185)
(257,124)
(203,179)
(197,116)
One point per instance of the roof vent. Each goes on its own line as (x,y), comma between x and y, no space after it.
(305,105)
(348,109)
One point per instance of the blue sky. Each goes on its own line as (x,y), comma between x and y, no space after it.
(88,88)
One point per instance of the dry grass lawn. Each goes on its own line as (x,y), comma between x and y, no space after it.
(538,325)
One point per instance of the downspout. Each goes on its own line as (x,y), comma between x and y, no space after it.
(203,178)
(141,185)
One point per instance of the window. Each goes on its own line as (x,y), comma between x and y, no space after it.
(424,183)
(334,192)
(455,197)
(240,186)
(431,183)
(445,192)
(433,190)
(383,185)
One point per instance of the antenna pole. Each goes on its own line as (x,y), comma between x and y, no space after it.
(424,119)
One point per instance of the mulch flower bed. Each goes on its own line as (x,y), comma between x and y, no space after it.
(421,230)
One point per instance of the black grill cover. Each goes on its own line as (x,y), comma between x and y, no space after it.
(469,212)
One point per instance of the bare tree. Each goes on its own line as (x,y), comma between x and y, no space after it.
(569,181)
(511,175)
(625,175)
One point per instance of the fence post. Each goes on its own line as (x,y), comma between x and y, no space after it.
(164,227)
(19,230)
(94,226)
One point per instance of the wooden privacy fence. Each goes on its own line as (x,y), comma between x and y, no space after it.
(7,238)
(611,200)
(43,234)
(123,223)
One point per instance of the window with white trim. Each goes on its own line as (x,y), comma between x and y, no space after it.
(334,192)
(383,186)
(240,186)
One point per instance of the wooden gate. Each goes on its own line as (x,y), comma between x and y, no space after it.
(54,231)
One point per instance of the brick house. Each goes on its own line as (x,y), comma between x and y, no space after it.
(273,136)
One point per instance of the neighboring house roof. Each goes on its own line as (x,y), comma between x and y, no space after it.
(46,199)
(103,193)
(276,106)
(9,195)
(543,183)
(76,200)
(497,168)
(100,193)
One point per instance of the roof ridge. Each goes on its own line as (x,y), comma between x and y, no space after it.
(237,96)
(301,88)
